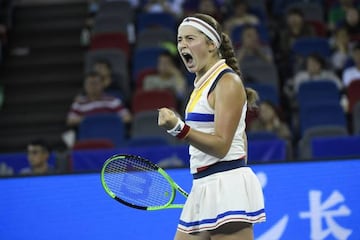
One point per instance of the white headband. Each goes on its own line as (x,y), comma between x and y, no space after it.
(204,27)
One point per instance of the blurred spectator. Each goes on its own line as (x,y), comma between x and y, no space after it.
(110,81)
(337,13)
(240,16)
(295,28)
(95,101)
(251,46)
(210,7)
(38,153)
(157,6)
(341,49)
(168,76)
(269,120)
(352,73)
(352,23)
(315,70)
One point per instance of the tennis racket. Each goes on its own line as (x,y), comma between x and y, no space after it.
(139,183)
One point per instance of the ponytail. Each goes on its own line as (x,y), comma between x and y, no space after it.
(227,52)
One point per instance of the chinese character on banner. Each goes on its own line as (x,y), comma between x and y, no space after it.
(327,211)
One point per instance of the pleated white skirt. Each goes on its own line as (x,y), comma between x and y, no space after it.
(231,196)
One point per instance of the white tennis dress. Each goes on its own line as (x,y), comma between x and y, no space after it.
(225,195)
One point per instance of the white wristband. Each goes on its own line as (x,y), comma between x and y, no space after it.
(177,129)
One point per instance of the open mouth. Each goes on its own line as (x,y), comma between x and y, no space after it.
(188,58)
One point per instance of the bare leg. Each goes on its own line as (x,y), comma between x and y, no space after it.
(233,231)
(196,236)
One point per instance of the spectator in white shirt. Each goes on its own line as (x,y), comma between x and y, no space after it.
(315,71)
(352,73)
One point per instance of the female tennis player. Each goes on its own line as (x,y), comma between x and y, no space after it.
(226,197)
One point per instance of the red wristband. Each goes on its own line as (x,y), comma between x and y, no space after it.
(184,132)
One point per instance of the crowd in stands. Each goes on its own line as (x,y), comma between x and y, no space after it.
(280,46)
(301,56)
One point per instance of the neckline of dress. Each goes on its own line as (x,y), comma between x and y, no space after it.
(202,80)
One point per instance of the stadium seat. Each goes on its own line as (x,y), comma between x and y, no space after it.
(147,141)
(260,72)
(152,100)
(117,58)
(322,114)
(145,125)
(141,77)
(266,92)
(353,94)
(155,20)
(145,58)
(110,40)
(105,25)
(106,126)
(265,151)
(356,118)
(307,45)
(304,145)
(329,147)
(261,135)
(149,38)
(115,9)
(318,92)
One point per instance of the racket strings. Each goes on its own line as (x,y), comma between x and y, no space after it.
(137,182)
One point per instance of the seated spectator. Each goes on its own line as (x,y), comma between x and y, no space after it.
(269,120)
(95,101)
(168,76)
(103,68)
(38,153)
(315,70)
(352,73)
(352,23)
(337,13)
(240,16)
(341,49)
(251,46)
(295,28)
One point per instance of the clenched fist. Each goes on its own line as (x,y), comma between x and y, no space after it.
(167,118)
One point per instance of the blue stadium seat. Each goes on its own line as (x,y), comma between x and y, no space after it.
(147,141)
(321,114)
(304,145)
(266,92)
(318,92)
(105,126)
(267,151)
(145,58)
(155,20)
(307,45)
(336,147)
(261,135)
